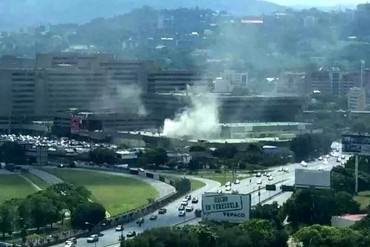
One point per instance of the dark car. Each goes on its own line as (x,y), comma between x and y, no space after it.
(140,221)
(162,211)
(131,234)
(198,213)
(194,200)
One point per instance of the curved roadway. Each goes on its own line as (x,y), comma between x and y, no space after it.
(248,185)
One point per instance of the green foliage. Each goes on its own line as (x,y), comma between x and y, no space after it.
(310,146)
(197,149)
(318,235)
(226,151)
(103,155)
(183,185)
(156,156)
(254,233)
(7,218)
(270,212)
(309,206)
(87,215)
(12,152)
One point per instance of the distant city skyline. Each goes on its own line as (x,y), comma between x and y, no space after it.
(318,3)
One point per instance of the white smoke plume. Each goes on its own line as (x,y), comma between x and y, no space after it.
(122,99)
(200,120)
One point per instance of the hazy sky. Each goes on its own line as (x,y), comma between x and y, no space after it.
(319,2)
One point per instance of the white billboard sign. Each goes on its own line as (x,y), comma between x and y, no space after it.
(305,178)
(233,208)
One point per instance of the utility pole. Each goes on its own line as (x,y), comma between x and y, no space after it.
(356,173)
(362,72)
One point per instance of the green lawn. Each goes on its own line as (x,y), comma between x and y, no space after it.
(363,198)
(36,180)
(118,194)
(195,184)
(14,186)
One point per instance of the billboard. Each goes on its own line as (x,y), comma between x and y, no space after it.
(356,144)
(233,208)
(75,125)
(305,178)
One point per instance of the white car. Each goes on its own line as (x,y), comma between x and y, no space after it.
(182,214)
(303,163)
(119,228)
(228,188)
(69,243)
(285,169)
(228,184)
(259,181)
(219,191)
(93,238)
(280,169)
(189,208)
(237,181)
(270,178)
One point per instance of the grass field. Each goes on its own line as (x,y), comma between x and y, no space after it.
(363,198)
(36,180)
(195,184)
(118,194)
(14,186)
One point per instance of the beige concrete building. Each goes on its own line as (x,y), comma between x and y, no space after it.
(356,99)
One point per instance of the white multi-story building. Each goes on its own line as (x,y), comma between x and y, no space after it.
(356,99)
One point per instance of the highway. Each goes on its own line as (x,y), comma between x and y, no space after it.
(248,185)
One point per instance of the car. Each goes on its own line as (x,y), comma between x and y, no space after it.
(285,169)
(219,192)
(270,178)
(182,214)
(162,211)
(93,238)
(73,240)
(140,221)
(69,243)
(189,208)
(181,208)
(237,181)
(321,158)
(235,192)
(119,228)
(259,181)
(187,197)
(184,203)
(228,188)
(228,184)
(339,160)
(141,170)
(303,163)
(258,175)
(280,169)
(131,234)
(60,165)
(194,200)
(153,217)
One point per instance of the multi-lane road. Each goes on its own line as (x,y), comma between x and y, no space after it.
(249,185)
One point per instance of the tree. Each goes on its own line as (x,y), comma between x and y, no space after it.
(6,219)
(310,145)
(103,155)
(183,185)
(318,235)
(157,156)
(12,152)
(226,151)
(87,214)
(345,204)
(38,210)
(270,212)
(310,207)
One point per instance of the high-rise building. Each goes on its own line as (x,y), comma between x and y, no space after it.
(356,99)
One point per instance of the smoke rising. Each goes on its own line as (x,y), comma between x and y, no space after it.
(123,99)
(200,120)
